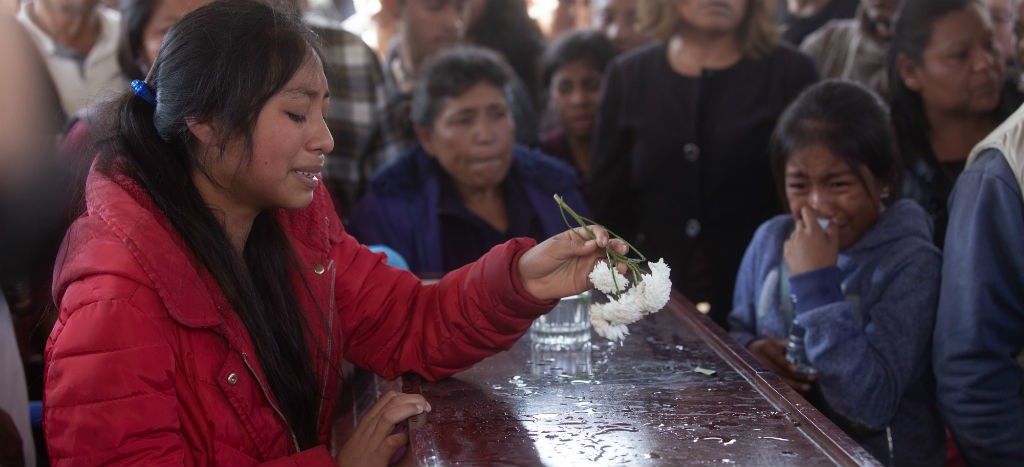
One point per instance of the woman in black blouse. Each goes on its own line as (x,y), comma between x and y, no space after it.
(949,90)
(680,164)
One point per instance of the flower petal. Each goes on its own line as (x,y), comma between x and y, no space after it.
(606,279)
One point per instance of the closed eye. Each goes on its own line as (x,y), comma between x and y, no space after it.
(296,118)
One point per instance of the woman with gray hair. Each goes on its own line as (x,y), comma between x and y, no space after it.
(466,186)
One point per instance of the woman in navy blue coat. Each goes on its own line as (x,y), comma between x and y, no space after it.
(466,187)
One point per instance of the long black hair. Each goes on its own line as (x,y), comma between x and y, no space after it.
(848,119)
(589,45)
(912,30)
(220,64)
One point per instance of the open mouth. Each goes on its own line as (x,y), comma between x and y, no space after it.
(314,176)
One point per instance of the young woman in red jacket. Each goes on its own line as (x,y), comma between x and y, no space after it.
(208,293)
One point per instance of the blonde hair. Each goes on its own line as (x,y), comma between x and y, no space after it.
(758,33)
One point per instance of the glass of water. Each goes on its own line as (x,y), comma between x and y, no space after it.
(565,327)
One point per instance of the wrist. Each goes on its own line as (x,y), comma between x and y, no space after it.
(816,288)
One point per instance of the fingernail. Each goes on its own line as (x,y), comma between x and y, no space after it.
(588,243)
(419,408)
(429,408)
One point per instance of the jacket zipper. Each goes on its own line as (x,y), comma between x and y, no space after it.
(330,342)
(266,394)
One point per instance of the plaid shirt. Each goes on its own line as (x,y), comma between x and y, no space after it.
(356,117)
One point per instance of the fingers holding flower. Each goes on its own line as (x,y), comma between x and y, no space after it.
(558,267)
(613,276)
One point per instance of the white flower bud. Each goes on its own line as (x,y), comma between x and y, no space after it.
(648,296)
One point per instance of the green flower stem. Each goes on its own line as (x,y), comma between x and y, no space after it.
(614,258)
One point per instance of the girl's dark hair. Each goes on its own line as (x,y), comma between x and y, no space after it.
(219,65)
(506,27)
(451,73)
(591,46)
(848,119)
(135,14)
(911,32)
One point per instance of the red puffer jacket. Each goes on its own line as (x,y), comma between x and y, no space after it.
(148,366)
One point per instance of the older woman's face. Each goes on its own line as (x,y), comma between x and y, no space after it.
(961,70)
(167,14)
(712,16)
(472,137)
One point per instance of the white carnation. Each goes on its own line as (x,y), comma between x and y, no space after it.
(604,328)
(647,296)
(655,288)
(626,309)
(605,279)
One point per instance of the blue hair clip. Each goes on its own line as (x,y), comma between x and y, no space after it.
(141,89)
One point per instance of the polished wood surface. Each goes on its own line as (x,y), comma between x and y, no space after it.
(640,403)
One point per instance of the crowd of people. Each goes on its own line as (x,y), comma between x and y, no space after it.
(188,188)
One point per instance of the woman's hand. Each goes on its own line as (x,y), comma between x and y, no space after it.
(809,247)
(560,266)
(374,440)
(772,352)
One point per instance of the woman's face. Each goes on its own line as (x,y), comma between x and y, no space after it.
(575,92)
(472,137)
(712,16)
(880,11)
(961,70)
(817,178)
(430,26)
(617,19)
(166,14)
(1003,15)
(290,139)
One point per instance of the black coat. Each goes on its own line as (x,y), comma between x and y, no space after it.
(681,163)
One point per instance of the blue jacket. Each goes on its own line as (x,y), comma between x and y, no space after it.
(979,329)
(400,207)
(868,327)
